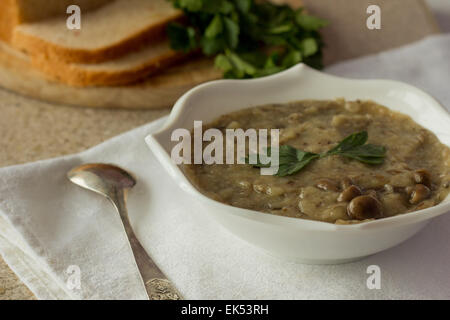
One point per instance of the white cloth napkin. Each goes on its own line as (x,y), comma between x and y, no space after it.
(50,228)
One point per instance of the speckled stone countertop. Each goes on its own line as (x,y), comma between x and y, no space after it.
(31,130)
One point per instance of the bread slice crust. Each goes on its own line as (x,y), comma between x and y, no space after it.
(128,69)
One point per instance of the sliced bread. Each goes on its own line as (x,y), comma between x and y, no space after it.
(8,19)
(107,33)
(124,70)
(15,12)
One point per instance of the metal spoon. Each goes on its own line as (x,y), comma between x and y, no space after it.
(114,183)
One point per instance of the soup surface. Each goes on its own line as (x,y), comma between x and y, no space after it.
(415,173)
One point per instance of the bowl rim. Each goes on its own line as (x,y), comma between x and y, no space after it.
(182,181)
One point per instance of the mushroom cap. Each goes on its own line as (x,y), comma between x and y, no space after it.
(349,194)
(365,207)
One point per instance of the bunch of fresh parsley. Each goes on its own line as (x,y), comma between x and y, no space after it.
(292,160)
(249,38)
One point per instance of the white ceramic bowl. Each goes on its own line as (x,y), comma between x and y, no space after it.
(296,239)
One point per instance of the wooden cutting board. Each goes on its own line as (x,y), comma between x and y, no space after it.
(158,91)
(346,37)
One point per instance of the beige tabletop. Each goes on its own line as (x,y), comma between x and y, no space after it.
(31,130)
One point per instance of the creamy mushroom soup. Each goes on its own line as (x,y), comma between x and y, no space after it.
(414,173)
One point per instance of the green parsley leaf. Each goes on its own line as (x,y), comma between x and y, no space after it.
(231,32)
(211,46)
(222,62)
(310,23)
(240,66)
(368,153)
(292,58)
(191,5)
(215,27)
(181,38)
(243,5)
(292,160)
(309,47)
(350,142)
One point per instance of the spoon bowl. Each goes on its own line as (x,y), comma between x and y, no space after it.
(101,178)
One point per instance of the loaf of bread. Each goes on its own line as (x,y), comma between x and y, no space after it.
(107,33)
(15,12)
(120,41)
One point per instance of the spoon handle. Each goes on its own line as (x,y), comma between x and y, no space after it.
(156,283)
